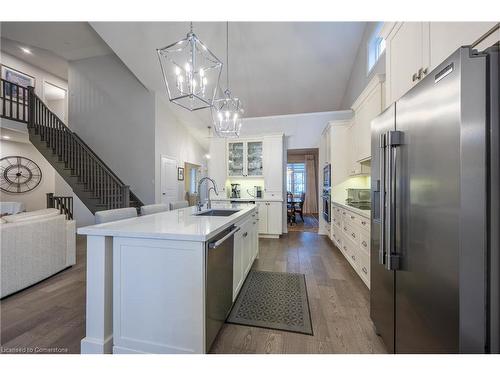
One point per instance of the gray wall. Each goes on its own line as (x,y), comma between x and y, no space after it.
(115,115)
(359,77)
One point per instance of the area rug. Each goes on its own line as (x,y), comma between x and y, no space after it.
(276,300)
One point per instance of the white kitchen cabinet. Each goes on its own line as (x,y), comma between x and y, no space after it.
(246,248)
(406,53)
(273,166)
(217,164)
(245,158)
(368,106)
(274,218)
(413,49)
(350,232)
(262,208)
(340,154)
(270,218)
(446,37)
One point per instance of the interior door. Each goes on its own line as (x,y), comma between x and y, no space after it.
(382,280)
(168,180)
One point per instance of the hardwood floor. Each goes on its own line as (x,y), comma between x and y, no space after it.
(310,224)
(338,299)
(51,314)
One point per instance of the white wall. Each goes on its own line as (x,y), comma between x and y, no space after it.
(115,115)
(359,75)
(174,140)
(301,130)
(40,75)
(35,199)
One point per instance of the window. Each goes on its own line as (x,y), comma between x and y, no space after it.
(296,178)
(376,46)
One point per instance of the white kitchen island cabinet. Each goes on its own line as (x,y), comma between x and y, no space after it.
(148,279)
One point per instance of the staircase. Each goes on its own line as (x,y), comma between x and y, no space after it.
(90,178)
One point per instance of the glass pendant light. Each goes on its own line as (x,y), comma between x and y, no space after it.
(227,111)
(191,72)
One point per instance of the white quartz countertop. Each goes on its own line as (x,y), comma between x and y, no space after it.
(364,213)
(178,224)
(248,199)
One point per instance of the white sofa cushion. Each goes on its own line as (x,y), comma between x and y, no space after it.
(32,251)
(33,215)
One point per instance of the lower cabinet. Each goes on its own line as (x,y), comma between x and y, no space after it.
(270,218)
(351,234)
(246,249)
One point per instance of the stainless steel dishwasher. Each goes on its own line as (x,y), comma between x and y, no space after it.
(219,282)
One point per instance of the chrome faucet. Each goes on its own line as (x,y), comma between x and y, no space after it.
(213,187)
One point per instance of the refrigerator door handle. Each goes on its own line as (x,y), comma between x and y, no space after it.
(381,251)
(394,139)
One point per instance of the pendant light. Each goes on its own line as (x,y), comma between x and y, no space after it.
(227,110)
(191,72)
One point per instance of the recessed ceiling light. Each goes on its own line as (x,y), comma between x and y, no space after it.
(5,137)
(207,156)
(26,50)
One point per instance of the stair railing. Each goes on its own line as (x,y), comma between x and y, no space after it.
(14,101)
(63,204)
(96,176)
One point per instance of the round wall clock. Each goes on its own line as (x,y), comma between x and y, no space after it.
(19,174)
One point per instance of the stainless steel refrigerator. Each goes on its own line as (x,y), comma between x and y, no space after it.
(434,235)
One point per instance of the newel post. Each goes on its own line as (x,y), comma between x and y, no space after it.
(50,200)
(125,196)
(31,106)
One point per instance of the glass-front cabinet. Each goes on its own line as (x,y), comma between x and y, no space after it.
(254,158)
(236,157)
(245,159)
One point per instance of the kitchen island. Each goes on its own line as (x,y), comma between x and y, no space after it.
(163,283)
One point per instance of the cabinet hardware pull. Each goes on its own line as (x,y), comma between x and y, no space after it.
(345,228)
(414,77)
(353,257)
(363,222)
(365,270)
(245,234)
(345,248)
(352,217)
(364,243)
(353,235)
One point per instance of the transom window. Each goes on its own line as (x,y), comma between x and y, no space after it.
(296,178)
(376,46)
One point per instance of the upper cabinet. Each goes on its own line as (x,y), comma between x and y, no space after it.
(366,107)
(413,49)
(406,57)
(244,159)
(273,166)
(217,163)
(254,158)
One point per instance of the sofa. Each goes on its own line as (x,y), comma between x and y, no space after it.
(34,246)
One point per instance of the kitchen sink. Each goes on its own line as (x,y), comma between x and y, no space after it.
(216,213)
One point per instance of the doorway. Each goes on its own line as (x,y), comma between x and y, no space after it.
(302,190)
(168,168)
(56,99)
(192,175)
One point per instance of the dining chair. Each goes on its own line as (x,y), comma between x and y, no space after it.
(179,204)
(115,214)
(299,207)
(153,209)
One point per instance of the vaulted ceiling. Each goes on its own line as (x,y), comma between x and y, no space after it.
(276,68)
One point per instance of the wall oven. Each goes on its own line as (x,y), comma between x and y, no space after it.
(326,204)
(327,173)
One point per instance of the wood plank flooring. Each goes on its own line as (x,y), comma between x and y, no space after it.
(51,314)
(338,299)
